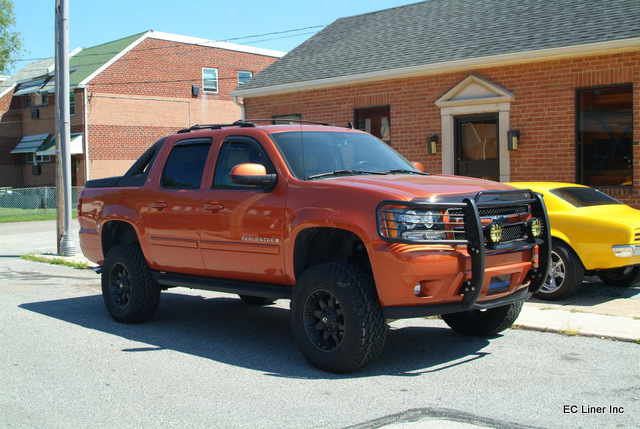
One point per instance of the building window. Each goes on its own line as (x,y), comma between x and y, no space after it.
(210,80)
(244,76)
(31,156)
(295,118)
(72,103)
(605,136)
(376,121)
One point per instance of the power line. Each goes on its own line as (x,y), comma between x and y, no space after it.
(80,54)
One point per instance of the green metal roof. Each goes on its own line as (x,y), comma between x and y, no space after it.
(89,60)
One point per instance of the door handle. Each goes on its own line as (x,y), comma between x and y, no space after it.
(214,207)
(160,205)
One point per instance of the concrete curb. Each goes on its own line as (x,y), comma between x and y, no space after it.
(578,323)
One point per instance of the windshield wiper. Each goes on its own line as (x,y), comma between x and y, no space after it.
(346,173)
(401,171)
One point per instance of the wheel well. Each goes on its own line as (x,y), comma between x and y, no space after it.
(115,233)
(316,246)
(557,240)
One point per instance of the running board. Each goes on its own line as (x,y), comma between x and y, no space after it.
(262,290)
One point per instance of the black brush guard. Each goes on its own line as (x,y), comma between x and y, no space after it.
(473,238)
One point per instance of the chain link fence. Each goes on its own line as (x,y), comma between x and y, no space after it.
(32,203)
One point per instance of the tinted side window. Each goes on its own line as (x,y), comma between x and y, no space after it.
(185,164)
(233,153)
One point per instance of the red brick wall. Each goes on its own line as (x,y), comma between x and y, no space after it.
(161,68)
(543,110)
(146,95)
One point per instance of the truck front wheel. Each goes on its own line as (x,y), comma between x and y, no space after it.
(130,293)
(482,323)
(336,317)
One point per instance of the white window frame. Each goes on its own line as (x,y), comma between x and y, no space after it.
(204,86)
(38,158)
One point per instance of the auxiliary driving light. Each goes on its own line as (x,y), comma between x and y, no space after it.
(534,227)
(493,233)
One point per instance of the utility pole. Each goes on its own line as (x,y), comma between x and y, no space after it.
(63,132)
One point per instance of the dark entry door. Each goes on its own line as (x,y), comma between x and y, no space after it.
(477,146)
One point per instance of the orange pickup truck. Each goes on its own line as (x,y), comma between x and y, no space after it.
(331,218)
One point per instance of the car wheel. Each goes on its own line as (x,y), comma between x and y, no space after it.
(482,323)
(256,300)
(627,276)
(130,293)
(566,273)
(336,317)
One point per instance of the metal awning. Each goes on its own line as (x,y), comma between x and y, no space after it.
(49,147)
(30,143)
(30,87)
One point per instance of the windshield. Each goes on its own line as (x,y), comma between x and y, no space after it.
(315,154)
(584,197)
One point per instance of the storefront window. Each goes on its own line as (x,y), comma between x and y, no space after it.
(605,136)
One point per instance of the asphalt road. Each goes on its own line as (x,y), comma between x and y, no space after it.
(209,360)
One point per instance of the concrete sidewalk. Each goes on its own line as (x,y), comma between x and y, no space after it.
(596,310)
(568,322)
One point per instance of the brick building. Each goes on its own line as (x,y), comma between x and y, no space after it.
(512,90)
(125,95)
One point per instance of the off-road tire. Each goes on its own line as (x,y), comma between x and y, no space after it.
(623,277)
(130,293)
(256,300)
(566,273)
(336,317)
(483,323)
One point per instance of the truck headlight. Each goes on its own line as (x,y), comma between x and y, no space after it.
(416,225)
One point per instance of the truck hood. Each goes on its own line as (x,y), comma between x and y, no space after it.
(410,187)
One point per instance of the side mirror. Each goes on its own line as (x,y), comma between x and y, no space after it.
(252,175)
(419,166)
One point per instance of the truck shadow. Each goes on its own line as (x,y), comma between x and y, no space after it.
(229,331)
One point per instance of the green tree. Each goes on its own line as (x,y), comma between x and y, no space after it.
(10,41)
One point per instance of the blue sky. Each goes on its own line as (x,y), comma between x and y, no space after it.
(93,22)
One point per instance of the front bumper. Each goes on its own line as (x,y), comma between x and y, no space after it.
(456,280)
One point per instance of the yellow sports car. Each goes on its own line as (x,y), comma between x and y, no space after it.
(592,233)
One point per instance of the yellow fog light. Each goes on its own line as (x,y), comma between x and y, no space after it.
(493,233)
(534,227)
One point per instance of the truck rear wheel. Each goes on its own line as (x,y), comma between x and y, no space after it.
(336,317)
(482,323)
(130,293)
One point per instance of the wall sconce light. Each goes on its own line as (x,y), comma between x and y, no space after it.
(512,139)
(431,144)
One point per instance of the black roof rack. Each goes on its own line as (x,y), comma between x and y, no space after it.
(252,123)
(198,127)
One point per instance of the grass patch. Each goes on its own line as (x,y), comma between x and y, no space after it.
(27,215)
(56,261)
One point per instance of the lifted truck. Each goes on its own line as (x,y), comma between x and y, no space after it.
(331,218)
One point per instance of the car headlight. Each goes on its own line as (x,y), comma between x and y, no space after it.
(416,225)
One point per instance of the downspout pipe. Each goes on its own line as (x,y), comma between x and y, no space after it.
(85,130)
(241,105)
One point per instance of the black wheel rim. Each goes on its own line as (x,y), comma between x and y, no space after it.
(120,285)
(324,321)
